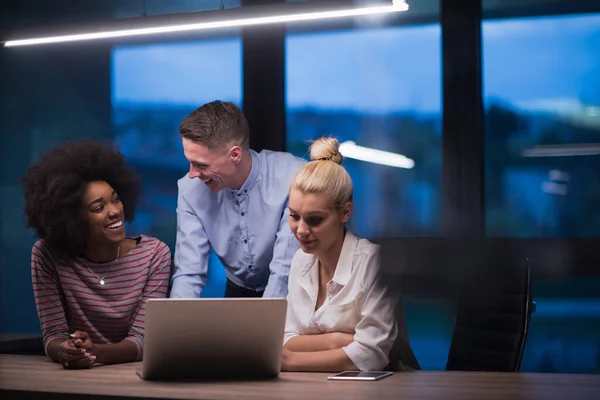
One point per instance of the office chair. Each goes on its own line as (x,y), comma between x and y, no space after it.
(492,320)
(402,349)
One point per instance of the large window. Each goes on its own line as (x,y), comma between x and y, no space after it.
(154,88)
(375,89)
(542,167)
(542,97)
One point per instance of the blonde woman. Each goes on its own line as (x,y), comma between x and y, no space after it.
(339,316)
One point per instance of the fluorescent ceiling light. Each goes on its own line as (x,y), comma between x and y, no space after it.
(210,20)
(351,150)
(563,150)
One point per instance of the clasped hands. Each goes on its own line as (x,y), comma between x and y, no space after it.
(76,353)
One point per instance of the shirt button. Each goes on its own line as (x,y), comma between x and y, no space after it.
(249,266)
(245,190)
(243,214)
(245,240)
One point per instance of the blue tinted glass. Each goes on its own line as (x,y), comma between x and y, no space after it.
(542,98)
(154,87)
(378,89)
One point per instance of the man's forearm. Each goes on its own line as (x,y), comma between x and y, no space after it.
(277,286)
(320,342)
(186,287)
(122,352)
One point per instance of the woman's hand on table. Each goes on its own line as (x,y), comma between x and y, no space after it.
(82,340)
(76,353)
(73,357)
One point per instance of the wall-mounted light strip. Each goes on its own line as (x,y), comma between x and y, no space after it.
(210,20)
(351,150)
(563,150)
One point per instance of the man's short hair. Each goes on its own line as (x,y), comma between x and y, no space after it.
(216,125)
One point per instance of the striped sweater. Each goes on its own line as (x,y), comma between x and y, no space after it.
(69,297)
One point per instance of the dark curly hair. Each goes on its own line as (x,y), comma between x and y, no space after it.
(54,188)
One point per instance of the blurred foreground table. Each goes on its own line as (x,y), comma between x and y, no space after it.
(30,377)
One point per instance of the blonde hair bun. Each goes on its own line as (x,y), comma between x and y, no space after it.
(326,149)
(323,177)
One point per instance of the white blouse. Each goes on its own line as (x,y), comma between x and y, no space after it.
(354,303)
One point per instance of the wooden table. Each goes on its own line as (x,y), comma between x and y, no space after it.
(36,377)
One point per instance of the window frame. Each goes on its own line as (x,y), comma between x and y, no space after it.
(462,137)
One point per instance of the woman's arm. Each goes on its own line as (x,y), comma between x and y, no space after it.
(53,349)
(69,354)
(309,352)
(372,342)
(294,339)
(320,342)
(377,329)
(156,287)
(130,348)
(316,361)
(122,352)
(48,300)
(114,353)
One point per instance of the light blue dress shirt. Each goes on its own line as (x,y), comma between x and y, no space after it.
(248,229)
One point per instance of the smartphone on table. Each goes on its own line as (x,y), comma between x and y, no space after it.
(360,375)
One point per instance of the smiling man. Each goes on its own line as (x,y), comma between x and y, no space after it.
(235,201)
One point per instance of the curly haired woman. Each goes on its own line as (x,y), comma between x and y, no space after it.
(90,280)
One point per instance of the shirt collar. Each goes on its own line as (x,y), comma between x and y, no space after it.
(252,177)
(308,278)
(343,269)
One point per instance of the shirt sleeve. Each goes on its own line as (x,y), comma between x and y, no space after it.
(292,324)
(192,250)
(48,295)
(376,331)
(283,252)
(156,287)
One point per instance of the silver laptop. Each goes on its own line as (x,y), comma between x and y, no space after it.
(237,338)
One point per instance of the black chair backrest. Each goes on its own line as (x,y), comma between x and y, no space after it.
(492,319)
(401,355)
(402,349)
